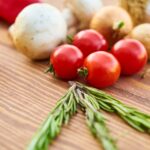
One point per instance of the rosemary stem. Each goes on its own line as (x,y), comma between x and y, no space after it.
(95,120)
(61,114)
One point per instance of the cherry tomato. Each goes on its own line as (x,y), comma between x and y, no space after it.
(103,69)
(89,41)
(131,55)
(66,59)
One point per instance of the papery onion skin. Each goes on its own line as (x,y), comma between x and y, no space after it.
(106,18)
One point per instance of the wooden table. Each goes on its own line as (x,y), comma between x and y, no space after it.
(27,95)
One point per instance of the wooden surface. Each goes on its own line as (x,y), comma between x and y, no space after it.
(27,95)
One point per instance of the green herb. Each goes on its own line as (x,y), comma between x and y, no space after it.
(90,100)
(132,116)
(97,125)
(95,120)
(61,114)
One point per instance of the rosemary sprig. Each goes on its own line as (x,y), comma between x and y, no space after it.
(95,120)
(91,100)
(61,114)
(97,125)
(138,120)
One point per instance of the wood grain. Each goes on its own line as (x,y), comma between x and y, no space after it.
(27,95)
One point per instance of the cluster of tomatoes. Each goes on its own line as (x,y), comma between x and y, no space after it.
(89,55)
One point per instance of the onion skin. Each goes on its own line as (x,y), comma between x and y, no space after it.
(138,9)
(104,21)
(142,34)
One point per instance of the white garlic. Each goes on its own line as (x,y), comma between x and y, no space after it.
(38,29)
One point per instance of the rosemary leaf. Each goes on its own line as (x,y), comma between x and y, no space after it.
(138,120)
(95,120)
(97,125)
(64,109)
(90,100)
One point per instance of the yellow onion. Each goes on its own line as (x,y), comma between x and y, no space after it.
(105,21)
(142,34)
(138,9)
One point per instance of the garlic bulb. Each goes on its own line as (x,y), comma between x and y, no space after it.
(38,29)
(69,17)
(84,10)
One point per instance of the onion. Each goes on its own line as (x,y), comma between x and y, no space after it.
(142,34)
(107,22)
(138,9)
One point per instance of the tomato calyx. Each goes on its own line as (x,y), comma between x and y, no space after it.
(83,72)
(50,69)
(69,39)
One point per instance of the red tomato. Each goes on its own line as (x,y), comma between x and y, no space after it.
(103,69)
(10,10)
(66,59)
(131,54)
(89,41)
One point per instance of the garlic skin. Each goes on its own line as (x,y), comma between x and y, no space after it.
(84,10)
(71,21)
(69,17)
(38,29)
